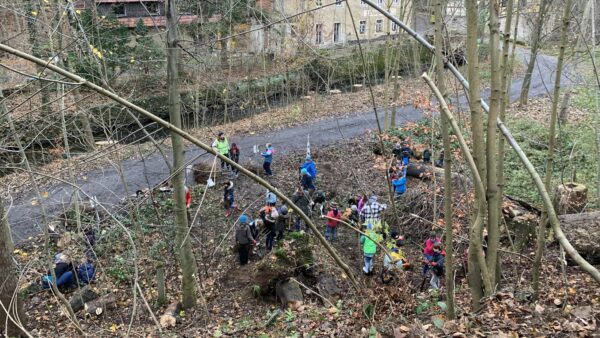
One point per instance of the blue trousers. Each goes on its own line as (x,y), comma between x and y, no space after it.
(333,231)
(66,280)
(368,263)
(270,239)
(267,167)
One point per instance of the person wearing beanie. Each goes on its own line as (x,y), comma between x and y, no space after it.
(302,200)
(306,181)
(282,221)
(369,244)
(228,198)
(244,239)
(310,167)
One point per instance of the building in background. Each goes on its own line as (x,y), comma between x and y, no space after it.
(326,23)
(129,12)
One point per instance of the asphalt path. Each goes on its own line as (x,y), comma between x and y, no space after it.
(106,186)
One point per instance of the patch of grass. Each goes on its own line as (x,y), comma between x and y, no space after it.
(575,151)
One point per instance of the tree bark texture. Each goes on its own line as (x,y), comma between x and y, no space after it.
(186,255)
(439,62)
(475,280)
(541,236)
(10,303)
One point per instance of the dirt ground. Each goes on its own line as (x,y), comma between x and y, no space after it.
(568,305)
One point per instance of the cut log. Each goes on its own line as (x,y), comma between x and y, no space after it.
(570,198)
(424,171)
(289,293)
(82,296)
(171,315)
(583,231)
(99,305)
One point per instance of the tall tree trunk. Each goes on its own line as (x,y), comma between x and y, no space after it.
(535,43)
(596,108)
(504,101)
(475,280)
(184,245)
(415,47)
(8,278)
(541,236)
(439,63)
(493,197)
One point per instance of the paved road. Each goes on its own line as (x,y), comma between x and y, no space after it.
(105,184)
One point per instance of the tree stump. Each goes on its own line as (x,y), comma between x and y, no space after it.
(570,198)
(82,296)
(169,318)
(583,231)
(99,305)
(289,293)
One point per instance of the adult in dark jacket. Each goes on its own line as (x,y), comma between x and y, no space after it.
(244,239)
(302,201)
(282,221)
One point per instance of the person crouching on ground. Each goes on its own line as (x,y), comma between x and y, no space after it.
(437,266)
(369,248)
(244,239)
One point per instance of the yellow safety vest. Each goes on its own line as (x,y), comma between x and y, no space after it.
(222,146)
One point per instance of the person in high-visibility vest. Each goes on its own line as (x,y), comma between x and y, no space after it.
(221,145)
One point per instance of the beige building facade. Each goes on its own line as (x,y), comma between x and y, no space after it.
(328,23)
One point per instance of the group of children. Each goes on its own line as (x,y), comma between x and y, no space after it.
(273,222)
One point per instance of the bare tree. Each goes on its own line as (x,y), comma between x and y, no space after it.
(12,317)
(439,62)
(541,237)
(186,254)
(475,280)
(535,45)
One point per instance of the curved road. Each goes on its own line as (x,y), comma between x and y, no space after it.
(106,186)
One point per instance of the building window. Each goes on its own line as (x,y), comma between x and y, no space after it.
(362,28)
(319,34)
(336,32)
(319,2)
(380,2)
(394,26)
(338,2)
(152,8)
(379,26)
(119,10)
